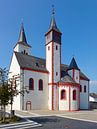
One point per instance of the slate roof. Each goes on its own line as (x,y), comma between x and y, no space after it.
(94,95)
(53,25)
(73,64)
(22,37)
(27,61)
(67,79)
(32,62)
(64,68)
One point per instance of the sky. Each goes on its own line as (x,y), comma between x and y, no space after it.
(77,20)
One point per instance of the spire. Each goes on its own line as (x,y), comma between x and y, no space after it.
(53,24)
(22,36)
(73,65)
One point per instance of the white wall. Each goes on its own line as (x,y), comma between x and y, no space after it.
(55,67)
(56,62)
(64,104)
(15,70)
(84,96)
(70,72)
(49,61)
(20,48)
(76,75)
(74,104)
(39,99)
(92,99)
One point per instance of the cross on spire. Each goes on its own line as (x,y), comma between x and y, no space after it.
(53,10)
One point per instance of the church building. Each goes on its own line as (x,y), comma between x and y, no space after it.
(47,84)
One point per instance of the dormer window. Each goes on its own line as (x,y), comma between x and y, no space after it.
(37,64)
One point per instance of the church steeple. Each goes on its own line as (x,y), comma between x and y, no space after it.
(22,36)
(53,60)
(53,34)
(53,25)
(22,46)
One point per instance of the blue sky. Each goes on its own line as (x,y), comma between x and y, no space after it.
(77,20)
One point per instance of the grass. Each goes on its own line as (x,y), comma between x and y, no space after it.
(9,120)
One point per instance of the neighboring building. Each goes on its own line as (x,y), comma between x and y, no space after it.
(93,100)
(51,85)
(93,97)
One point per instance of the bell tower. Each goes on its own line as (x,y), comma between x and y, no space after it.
(53,59)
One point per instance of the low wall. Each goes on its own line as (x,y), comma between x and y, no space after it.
(93,105)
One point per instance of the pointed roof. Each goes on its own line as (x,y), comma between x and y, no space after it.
(22,37)
(53,25)
(73,65)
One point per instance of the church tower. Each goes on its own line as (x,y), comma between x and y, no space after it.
(22,46)
(73,70)
(53,60)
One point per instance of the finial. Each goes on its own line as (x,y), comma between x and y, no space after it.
(73,55)
(22,24)
(53,10)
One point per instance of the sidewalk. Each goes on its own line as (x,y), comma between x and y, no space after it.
(86,115)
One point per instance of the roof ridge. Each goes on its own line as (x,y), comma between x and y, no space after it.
(32,56)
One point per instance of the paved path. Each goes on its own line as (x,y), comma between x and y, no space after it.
(81,115)
(53,122)
(58,119)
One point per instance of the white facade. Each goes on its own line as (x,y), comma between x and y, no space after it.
(22,49)
(84,96)
(57,92)
(92,99)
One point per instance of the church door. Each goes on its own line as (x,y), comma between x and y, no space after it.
(28,105)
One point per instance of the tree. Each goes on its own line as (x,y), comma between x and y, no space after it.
(4,93)
(12,88)
(4,97)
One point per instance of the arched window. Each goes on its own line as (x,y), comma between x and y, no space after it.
(85,89)
(74,94)
(80,88)
(31,84)
(63,94)
(40,84)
